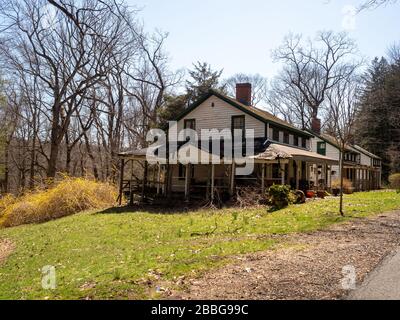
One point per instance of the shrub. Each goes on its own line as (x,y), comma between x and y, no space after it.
(347,185)
(69,196)
(394,180)
(279,196)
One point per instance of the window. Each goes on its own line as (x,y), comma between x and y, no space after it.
(296,141)
(321,148)
(238,123)
(190,124)
(286,137)
(275,134)
(304,143)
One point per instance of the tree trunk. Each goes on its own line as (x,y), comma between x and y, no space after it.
(52,166)
(68,161)
(55,142)
(6,167)
(32,165)
(341,182)
(23,175)
(91,156)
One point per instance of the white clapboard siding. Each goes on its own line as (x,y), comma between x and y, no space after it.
(220,117)
(331,152)
(365,160)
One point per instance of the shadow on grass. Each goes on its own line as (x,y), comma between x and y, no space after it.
(171,207)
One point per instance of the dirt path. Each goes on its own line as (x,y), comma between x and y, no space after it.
(310,268)
(6,247)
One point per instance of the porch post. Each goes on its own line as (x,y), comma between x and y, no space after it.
(144,182)
(168,178)
(308,172)
(212,182)
(131,187)
(283,167)
(379,178)
(121,181)
(298,174)
(159,179)
(187,182)
(263,178)
(232,182)
(364,179)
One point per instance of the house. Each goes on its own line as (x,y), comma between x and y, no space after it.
(361,167)
(282,154)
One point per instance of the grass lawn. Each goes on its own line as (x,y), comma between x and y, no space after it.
(112,255)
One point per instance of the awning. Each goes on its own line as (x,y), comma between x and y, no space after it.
(301,154)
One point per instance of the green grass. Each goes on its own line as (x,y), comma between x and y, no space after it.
(111,255)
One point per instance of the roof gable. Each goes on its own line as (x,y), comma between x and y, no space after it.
(257,113)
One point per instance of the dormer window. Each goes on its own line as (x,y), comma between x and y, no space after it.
(296,140)
(275,134)
(304,143)
(286,137)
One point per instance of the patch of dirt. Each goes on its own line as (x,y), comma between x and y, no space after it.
(6,248)
(304,266)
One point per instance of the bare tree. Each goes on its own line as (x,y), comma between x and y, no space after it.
(85,81)
(68,59)
(287,102)
(372,4)
(343,105)
(313,68)
(259,86)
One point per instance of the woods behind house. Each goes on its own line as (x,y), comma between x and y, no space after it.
(81,80)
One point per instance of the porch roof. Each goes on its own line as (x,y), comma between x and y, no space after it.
(272,153)
(300,154)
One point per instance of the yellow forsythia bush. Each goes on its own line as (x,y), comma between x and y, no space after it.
(69,196)
(394,180)
(347,185)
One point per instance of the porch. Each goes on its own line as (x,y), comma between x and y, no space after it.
(277,164)
(363,178)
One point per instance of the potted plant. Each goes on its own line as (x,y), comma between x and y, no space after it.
(310,194)
(321,194)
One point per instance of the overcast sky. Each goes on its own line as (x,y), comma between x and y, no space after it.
(238,35)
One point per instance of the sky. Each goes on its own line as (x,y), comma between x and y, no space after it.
(238,36)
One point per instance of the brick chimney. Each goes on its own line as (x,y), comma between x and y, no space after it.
(243,93)
(316,125)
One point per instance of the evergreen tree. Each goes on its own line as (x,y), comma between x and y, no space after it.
(378,125)
(173,106)
(203,78)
